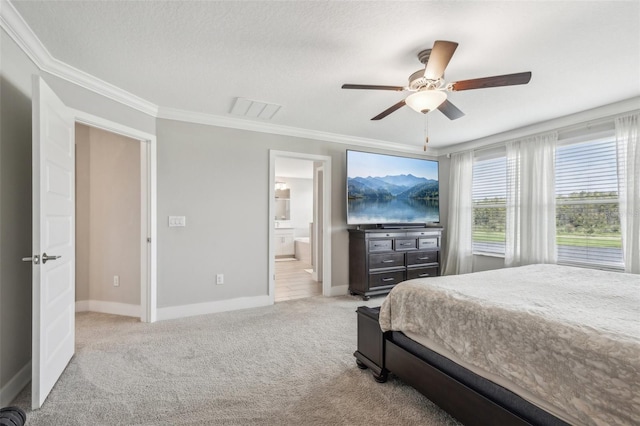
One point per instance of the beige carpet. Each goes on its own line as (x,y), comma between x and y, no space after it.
(287,364)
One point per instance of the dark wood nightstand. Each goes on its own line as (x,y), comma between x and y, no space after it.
(370,353)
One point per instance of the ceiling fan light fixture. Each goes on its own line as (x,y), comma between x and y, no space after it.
(430,89)
(425,101)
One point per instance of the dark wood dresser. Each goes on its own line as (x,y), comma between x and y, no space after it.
(381,258)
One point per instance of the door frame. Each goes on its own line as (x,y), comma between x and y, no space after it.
(326,215)
(148,204)
(316,255)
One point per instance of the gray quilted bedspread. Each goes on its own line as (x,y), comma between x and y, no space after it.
(566,339)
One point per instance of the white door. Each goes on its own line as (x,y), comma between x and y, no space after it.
(53,251)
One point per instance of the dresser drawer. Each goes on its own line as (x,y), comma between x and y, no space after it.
(385,260)
(431,271)
(423,234)
(422,257)
(406,244)
(380,245)
(386,279)
(428,243)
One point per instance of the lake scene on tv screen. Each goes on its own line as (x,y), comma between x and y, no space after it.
(384,189)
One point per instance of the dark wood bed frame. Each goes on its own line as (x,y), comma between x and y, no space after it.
(378,352)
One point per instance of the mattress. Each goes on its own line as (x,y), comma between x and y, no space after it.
(566,339)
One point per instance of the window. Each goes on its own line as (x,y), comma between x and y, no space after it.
(587,205)
(489,196)
(587,217)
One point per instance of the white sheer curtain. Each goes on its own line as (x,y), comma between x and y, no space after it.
(459,258)
(531,201)
(628,141)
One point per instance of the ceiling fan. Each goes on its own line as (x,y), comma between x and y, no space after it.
(429,88)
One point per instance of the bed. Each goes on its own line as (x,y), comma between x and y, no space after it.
(538,344)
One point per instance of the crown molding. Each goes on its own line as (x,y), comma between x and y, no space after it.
(583,118)
(262,127)
(13,23)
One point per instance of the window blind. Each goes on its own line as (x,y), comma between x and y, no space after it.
(489,195)
(587,217)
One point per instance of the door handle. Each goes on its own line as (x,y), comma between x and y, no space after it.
(35,259)
(45,258)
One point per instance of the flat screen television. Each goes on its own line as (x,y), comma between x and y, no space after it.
(391,190)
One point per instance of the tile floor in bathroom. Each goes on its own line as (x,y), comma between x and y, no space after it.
(293,280)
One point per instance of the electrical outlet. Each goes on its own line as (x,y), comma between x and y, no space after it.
(116,281)
(219,279)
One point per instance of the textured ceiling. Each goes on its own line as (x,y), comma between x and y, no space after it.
(200,56)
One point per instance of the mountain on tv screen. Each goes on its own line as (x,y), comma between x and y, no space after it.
(388,189)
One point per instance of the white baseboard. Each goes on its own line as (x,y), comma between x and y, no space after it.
(113,308)
(339,290)
(13,387)
(173,312)
(82,305)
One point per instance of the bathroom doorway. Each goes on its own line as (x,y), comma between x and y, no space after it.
(295,272)
(298,212)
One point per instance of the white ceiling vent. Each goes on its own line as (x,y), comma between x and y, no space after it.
(255,109)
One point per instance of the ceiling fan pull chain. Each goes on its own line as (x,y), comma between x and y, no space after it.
(426,131)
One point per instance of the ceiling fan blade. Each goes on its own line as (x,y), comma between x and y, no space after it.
(495,81)
(450,110)
(439,59)
(388,111)
(372,87)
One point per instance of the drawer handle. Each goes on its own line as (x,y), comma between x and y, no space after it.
(423,258)
(388,279)
(405,244)
(379,245)
(424,275)
(388,261)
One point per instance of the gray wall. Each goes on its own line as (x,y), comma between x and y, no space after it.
(83,208)
(217,178)
(15,208)
(90,102)
(486,263)
(107,216)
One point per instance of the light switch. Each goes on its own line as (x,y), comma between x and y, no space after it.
(175,221)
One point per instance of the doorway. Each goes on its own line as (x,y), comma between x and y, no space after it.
(299,215)
(295,269)
(110,224)
(53,231)
(147,248)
